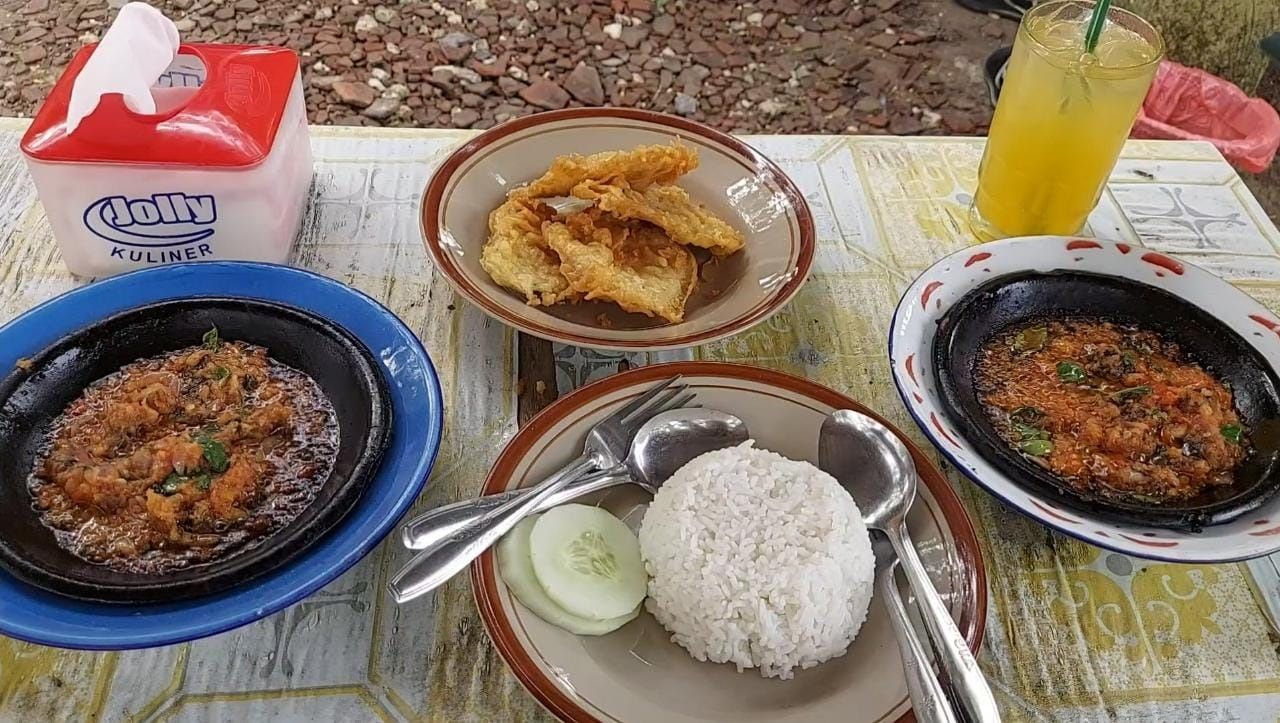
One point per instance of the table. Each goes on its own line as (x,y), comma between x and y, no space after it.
(1074,633)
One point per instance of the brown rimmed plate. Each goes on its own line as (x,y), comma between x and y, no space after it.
(733,180)
(636,673)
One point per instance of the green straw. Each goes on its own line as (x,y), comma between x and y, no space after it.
(1096,22)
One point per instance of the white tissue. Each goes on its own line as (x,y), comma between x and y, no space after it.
(133,53)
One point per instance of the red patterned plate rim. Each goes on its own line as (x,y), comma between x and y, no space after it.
(923,301)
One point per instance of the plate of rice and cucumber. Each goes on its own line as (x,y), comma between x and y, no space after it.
(739,584)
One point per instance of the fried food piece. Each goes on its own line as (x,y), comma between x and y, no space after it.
(639,168)
(668,207)
(235,490)
(517,257)
(637,267)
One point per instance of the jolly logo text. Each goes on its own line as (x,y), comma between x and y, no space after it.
(163,227)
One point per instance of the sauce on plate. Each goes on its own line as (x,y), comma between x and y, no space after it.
(184,458)
(1111,410)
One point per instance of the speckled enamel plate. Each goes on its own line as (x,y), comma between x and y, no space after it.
(911,341)
(732,180)
(636,673)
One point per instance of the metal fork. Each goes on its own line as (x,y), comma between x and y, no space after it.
(928,699)
(607,446)
(432,526)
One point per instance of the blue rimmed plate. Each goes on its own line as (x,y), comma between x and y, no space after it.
(48,619)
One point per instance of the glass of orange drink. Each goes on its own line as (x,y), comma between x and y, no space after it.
(1062,118)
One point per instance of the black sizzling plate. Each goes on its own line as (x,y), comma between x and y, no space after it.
(1019,299)
(29,402)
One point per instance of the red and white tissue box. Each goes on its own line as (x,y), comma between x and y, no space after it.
(220,170)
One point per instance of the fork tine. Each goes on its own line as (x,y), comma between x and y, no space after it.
(680,403)
(641,400)
(666,404)
(653,406)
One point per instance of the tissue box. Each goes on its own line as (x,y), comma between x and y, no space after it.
(220,171)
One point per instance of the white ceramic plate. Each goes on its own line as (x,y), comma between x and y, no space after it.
(911,340)
(732,180)
(636,673)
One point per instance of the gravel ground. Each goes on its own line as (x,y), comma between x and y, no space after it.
(783,66)
(769,66)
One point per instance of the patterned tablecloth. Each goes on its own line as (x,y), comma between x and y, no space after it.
(1074,633)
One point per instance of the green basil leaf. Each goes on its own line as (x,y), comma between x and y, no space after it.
(1131,393)
(170,484)
(210,339)
(1232,433)
(203,481)
(1032,339)
(215,453)
(219,373)
(1071,372)
(1036,447)
(1027,431)
(1026,414)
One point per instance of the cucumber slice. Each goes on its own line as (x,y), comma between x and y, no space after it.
(588,561)
(517,572)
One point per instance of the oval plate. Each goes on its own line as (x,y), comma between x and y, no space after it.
(1016,300)
(732,179)
(636,673)
(933,293)
(41,617)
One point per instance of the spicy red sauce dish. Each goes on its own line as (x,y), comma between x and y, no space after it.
(1111,409)
(1105,396)
(183,448)
(185,457)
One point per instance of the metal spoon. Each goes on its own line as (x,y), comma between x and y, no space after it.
(659,450)
(878,473)
(651,453)
(929,703)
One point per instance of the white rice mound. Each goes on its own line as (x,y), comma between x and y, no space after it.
(757,560)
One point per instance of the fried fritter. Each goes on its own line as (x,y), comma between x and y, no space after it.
(668,207)
(631,245)
(516,256)
(640,168)
(635,266)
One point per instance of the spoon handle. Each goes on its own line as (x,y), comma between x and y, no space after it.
(431,568)
(967,681)
(435,525)
(928,700)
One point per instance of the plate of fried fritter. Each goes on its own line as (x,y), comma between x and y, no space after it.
(610,226)
(617,229)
